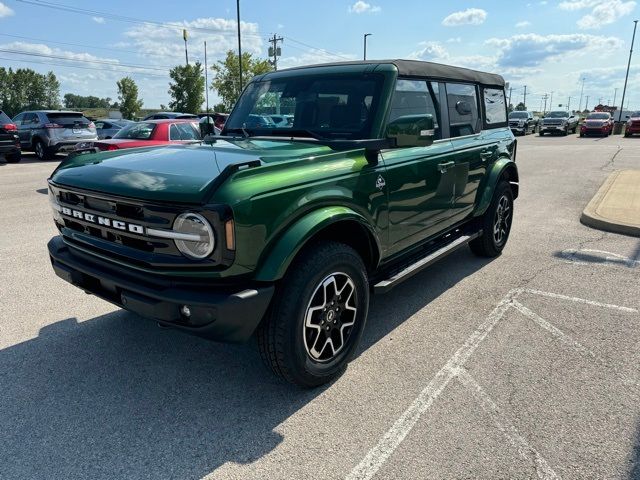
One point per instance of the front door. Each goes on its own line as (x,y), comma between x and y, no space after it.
(420,181)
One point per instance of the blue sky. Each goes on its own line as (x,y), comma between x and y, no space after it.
(547,45)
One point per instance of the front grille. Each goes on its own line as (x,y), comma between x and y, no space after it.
(553,122)
(126,245)
(514,124)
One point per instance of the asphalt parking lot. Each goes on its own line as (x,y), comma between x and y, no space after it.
(525,366)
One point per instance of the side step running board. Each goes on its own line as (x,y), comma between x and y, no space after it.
(383,286)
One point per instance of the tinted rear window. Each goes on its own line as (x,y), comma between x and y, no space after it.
(136,131)
(4,118)
(67,118)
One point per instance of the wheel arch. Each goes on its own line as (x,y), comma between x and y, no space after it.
(504,169)
(340,224)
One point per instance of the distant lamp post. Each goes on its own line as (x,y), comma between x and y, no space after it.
(624,90)
(365,44)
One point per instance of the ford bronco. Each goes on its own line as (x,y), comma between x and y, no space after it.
(284,231)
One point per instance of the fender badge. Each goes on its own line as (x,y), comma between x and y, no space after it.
(380,183)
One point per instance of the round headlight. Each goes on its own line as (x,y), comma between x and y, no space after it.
(198,241)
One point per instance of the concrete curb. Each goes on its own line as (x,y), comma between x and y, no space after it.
(591,218)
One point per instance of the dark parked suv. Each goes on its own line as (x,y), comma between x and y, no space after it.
(284,231)
(9,140)
(48,132)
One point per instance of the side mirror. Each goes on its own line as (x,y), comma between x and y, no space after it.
(412,131)
(206,126)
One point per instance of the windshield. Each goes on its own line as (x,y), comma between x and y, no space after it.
(136,131)
(518,115)
(556,115)
(327,106)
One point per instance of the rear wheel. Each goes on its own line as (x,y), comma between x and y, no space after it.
(42,152)
(317,318)
(496,223)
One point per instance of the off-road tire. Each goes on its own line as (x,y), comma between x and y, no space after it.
(486,245)
(281,336)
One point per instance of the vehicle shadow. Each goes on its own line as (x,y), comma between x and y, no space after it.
(116,397)
(635,457)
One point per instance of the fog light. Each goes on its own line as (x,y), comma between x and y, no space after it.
(185,310)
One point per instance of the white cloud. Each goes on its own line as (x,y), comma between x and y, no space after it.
(220,34)
(98,19)
(454,40)
(363,7)
(523,24)
(312,57)
(5,11)
(530,50)
(603,12)
(470,16)
(431,51)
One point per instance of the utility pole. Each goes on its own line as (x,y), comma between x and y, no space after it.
(545,97)
(365,44)
(624,90)
(586,103)
(525,97)
(581,92)
(569,104)
(615,94)
(206,77)
(184,37)
(510,90)
(239,46)
(551,102)
(275,50)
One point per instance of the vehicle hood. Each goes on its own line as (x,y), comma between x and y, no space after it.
(173,173)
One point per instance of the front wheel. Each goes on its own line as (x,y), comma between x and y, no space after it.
(496,223)
(318,316)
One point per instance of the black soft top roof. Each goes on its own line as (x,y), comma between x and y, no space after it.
(417,68)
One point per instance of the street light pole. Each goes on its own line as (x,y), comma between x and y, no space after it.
(624,90)
(239,45)
(206,77)
(581,92)
(365,44)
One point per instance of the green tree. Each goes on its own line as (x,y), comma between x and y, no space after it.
(80,102)
(25,89)
(226,80)
(187,88)
(521,107)
(128,95)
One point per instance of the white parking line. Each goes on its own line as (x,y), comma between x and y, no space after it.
(543,469)
(556,332)
(379,454)
(580,300)
(602,257)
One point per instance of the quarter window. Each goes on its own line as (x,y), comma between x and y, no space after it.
(462,102)
(494,106)
(416,97)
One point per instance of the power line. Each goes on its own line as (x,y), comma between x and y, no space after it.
(316,48)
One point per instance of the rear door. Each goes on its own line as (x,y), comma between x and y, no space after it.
(473,146)
(26,126)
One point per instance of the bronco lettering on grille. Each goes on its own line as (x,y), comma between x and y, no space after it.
(104,221)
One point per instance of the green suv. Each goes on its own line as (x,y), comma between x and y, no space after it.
(284,231)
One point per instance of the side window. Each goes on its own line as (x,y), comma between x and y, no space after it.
(495,107)
(462,102)
(188,132)
(18,119)
(174,133)
(416,97)
(100,125)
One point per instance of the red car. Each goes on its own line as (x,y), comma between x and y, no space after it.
(598,123)
(151,133)
(633,124)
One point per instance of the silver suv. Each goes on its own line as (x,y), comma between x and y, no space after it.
(48,132)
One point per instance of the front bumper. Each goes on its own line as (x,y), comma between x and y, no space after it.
(218,313)
(518,129)
(553,128)
(595,131)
